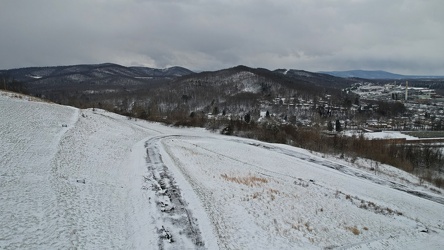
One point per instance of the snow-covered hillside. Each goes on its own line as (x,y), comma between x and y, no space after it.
(90,179)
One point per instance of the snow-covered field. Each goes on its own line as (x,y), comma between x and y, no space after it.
(382,135)
(389,135)
(90,179)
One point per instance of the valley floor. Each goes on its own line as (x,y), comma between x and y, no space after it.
(88,179)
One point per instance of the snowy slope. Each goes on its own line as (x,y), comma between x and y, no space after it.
(261,196)
(90,179)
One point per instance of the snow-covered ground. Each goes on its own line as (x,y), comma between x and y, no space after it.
(382,135)
(90,179)
(389,135)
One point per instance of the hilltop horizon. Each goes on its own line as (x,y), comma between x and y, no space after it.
(350,73)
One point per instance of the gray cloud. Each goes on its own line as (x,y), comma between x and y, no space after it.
(404,36)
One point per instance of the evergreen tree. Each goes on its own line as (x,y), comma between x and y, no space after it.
(247,118)
(338,126)
(215,110)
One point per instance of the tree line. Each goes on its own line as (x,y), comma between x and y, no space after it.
(6,83)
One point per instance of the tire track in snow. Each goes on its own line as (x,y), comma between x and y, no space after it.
(224,238)
(176,226)
(210,204)
(332,165)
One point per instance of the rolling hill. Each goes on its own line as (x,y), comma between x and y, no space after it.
(88,179)
(92,71)
(175,91)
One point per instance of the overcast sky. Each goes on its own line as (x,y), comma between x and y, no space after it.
(401,36)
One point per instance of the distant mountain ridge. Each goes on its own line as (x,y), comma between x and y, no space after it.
(375,74)
(238,89)
(86,72)
(245,79)
(109,76)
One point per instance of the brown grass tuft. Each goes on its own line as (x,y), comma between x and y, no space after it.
(354,230)
(250,181)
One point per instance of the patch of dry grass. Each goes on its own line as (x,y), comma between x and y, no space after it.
(250,180)
(354,230)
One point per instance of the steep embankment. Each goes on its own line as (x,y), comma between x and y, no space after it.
(68,179)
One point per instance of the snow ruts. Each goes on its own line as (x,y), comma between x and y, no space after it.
(176,226)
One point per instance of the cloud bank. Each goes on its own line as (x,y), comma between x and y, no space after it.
(402,36)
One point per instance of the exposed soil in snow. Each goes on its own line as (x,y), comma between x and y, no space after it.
(173,217)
